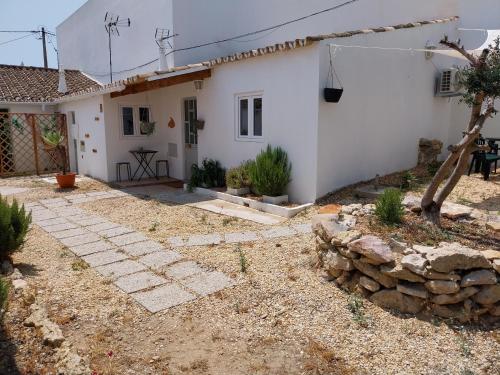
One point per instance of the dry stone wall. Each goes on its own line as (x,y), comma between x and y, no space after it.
(450,281)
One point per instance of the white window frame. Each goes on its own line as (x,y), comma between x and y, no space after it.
(135,116)
(250,97)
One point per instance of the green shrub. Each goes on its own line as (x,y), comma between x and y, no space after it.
(4,295)
(270,174)
(389,208)
(433,167)
(209,175)
(14,224)
(408,180)
(239,177)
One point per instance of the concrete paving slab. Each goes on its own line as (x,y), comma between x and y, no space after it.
(303,228)
(87,220)
(38,216)
(278,232)
(32,204)
(12,190)
(97,193)
(80,240)
(204,240)
(176,241)
(68,211)
(69,233)
(139,281)
(142,248)
(119,269)
(102,226)
(241,237)
(91,248)
(183,269)
(127,239)
(106,257)
(208,282)
(75,196)
(158,260)
(50,222)
(163,297)
(82,200)
(57,205)
(59,227)
(52,201)
(114,232)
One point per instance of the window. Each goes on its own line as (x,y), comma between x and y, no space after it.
(72,117)
(132,116)
(249,116)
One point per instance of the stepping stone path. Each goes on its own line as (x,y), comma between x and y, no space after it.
(155,277)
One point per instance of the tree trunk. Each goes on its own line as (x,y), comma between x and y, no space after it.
(432,213)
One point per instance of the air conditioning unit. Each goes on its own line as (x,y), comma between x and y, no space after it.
(448,83)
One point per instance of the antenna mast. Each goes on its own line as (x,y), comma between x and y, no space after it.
(112,23)
(162,36)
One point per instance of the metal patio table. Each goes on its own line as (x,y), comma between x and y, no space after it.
(144,157)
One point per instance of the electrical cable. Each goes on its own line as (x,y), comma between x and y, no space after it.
(16,39)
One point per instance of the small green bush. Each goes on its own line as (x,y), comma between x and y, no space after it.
(4,295)
(239,177)
(14,224)
(209,175)
(270,174)
(389,208)
(408,180)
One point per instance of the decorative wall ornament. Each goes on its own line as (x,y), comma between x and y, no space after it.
(171,123)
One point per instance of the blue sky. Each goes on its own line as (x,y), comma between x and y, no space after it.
(30,15)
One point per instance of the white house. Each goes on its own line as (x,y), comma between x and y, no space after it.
(266,87)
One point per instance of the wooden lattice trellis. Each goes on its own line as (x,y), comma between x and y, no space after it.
(22,151)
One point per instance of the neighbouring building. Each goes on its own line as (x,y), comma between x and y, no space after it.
(267,87)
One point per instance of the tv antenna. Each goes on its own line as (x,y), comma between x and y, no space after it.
(163,37)
(113,23)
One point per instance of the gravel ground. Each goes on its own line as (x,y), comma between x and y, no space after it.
(280,318)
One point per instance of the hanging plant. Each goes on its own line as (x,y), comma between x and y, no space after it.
(332,95)
(147,128)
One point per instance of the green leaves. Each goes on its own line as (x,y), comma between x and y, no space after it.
(389,208)
(14,224)
(271,172)
(53,138)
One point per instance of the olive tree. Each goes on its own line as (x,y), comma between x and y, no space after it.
(481,83)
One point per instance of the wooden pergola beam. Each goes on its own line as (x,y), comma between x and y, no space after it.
(164,82)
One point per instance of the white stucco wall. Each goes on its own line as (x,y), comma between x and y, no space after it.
(288,82)
(83,41)
(387,106)
(90,128)
(480,13)
(164,103)
(220,19)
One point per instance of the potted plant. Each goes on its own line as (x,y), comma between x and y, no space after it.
(270,175)
(147,128)
(54,143)
(238,180)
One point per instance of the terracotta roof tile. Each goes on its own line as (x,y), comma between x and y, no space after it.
(38,85)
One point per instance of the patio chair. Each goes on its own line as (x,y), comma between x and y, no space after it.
(118,170)
(158,165)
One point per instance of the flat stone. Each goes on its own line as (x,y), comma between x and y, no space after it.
(494,310)
(139,281)
(91,248)
(127,239)
(98,193)
(412,202)
(449,257)
(491,254)
(423,250)
(176,241)
(43,215)
(163,297)
(118,269)
(51,334)
(397,246)
(347,253)
(369,284)
(105,257)
(415,263)
(204,240)
(51,222)
(207,282)
(87,220)
(442,286)
(394,300)
(494,226)
(278,232)
(415,290)
(83,200)
(373,248)
(184,269)
(102,226)
(19,285)
(75,196)
(69,233)
(346,237)
(481,277)
(330,209)
(80,240)
(53,200)
(433,275)
(305,228)
(11,190)
(160,259)
(114,232)
(241,237)
(142,248)
(455,211)
(68,211)
(488,295)
(337,262)
(375,274)
(397,271)
(496,265)
(451,312)
(59,227)
(450,299)
(349,209)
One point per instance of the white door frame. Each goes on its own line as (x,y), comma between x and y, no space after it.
(189,147)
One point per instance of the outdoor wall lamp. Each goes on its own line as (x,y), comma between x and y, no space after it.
(198,85)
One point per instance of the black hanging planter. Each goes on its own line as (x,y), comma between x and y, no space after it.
(333,95)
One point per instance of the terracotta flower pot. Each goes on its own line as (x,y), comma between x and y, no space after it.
(66,181)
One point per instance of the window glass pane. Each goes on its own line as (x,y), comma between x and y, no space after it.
(257,117)
(128,120)
(186,132)
(244,117)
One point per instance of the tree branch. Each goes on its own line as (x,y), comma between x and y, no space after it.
(455,46)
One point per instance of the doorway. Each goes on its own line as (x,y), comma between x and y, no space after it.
(190,136)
